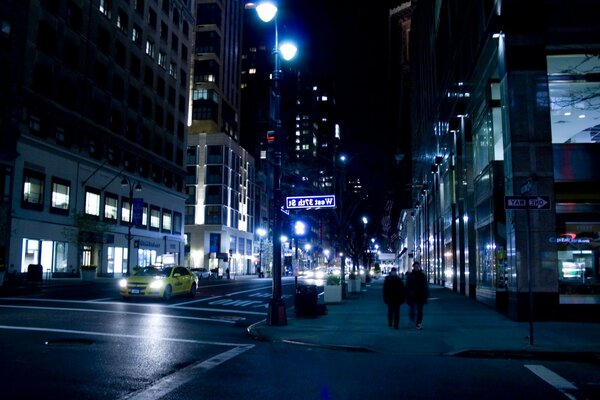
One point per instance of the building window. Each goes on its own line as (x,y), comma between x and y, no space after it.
(60,195)
(164,31)
(138,5)
(173,70)
(136,34)
(126,210)
(176,222)
(92,202)
(214,174)
(152,18)
(192,155)
(33,190)
(212,215)
(190,215)
(104,7)
(122,21)
(167,221)
(214,243)
(150,48)
(574,100)
(111,207)
(162,59)
(154,218)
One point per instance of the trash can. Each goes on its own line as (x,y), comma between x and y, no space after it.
(35,273)
(305,302)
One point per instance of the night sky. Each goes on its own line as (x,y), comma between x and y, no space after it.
(348,40)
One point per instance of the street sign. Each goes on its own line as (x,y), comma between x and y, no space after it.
(524,202)
(306,202)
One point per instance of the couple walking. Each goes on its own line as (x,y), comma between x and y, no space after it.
(415,294)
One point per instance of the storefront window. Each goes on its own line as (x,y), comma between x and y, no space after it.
(574,97)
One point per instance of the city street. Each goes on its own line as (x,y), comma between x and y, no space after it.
(85,342)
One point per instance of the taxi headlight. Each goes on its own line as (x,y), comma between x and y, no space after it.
(123,283)
(157,284)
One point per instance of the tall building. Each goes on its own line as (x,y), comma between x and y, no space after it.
(505,148)
(219,211)
(93,127)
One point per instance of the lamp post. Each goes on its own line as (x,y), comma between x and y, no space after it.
(137,186)
(261,232)
(267,11)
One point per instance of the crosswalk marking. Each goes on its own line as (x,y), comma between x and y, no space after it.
(553,379)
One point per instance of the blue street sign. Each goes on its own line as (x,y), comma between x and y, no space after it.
(306,202)
(138,210)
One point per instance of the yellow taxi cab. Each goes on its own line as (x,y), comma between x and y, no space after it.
(159,282)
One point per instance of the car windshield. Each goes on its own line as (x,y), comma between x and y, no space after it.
(152,271)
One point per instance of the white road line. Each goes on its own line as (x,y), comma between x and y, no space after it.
(174,306)
(121,335)
(218,297)
(553,379)
(171,382)
(118,312)
(222,310)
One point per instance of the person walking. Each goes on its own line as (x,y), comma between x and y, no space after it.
(417,293)
(393,296)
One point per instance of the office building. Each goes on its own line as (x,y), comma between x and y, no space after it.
(94,113)
(219,211)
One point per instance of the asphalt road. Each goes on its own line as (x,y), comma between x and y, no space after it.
(87,343)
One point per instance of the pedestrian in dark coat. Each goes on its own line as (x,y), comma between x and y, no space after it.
(393,296)
(417,294)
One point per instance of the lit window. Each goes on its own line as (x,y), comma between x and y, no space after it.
(162,59)
(126,210)
(110,207)
(136,34)
(60,195)
(92,203)
(150,48)
(33,189)
(154,218)
(167,222)
(173,70)
(252,71)
(104,7)
(122,21)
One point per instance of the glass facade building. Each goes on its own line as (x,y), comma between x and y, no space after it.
(504,101)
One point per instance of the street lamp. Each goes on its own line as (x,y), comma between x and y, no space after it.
(137,186)
(267,11)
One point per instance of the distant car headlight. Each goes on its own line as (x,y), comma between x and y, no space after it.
(123,283)
(157,284)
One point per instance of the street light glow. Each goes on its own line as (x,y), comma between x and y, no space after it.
(288,50)
(266,11)
(299,228)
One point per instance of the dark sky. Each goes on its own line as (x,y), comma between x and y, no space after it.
(349,40)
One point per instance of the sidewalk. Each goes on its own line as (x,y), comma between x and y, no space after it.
(452,325)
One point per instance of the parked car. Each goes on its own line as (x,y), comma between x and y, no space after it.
(202,273)
(159,282)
